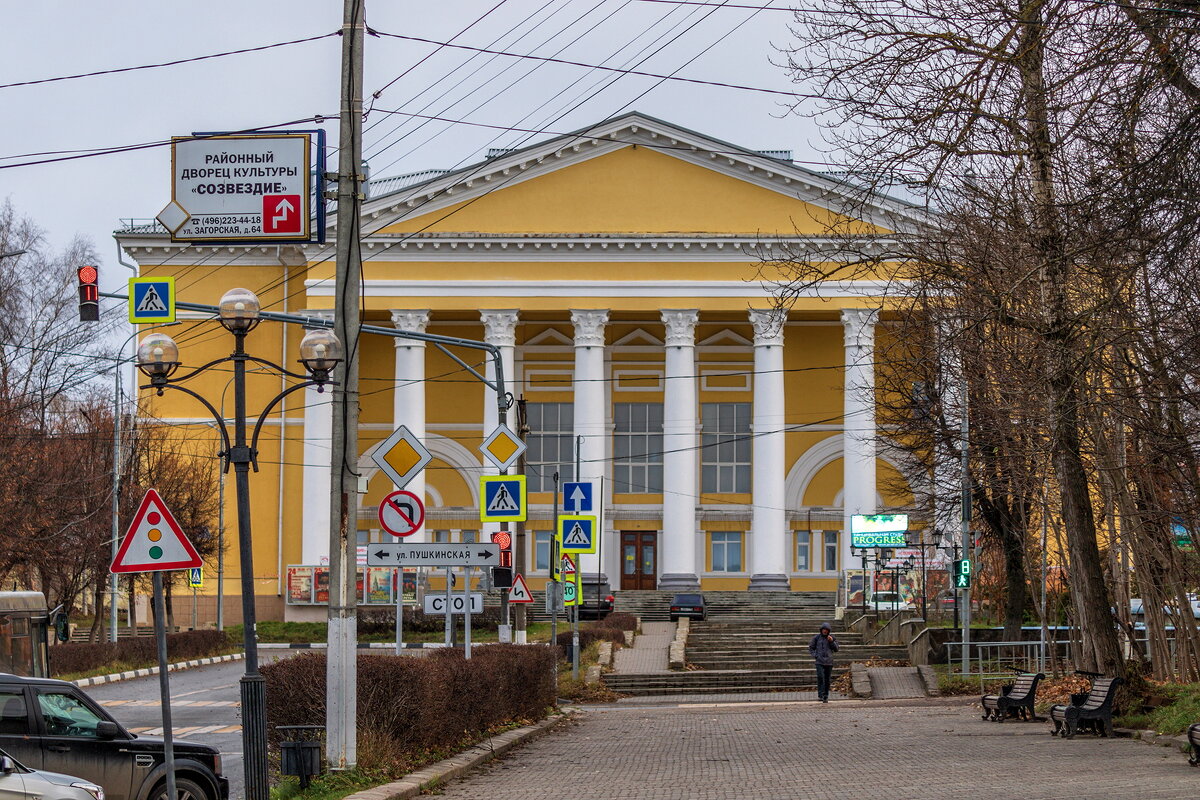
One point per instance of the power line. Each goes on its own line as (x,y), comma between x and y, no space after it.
(174,63)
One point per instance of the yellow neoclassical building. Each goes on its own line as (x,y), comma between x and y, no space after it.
(616,268)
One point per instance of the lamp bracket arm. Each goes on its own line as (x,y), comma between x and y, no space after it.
(224,454)
(271,364)
(262,418)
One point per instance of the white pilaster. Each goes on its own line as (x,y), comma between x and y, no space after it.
(590,410)
(408,399)
(768,523)
(858,422)
(679,453)
(499,329)
(317,459)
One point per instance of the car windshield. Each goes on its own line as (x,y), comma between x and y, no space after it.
(688,600)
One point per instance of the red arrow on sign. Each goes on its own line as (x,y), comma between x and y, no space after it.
(280,213)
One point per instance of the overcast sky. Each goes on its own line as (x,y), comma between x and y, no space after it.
(90,196)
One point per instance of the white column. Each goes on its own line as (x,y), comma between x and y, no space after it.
(317,459)
(590,411)
(499,329)
(768,522)
(679,453)
(858,423)
(408,398)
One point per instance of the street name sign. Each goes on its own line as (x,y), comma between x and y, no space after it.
(579,497)
(433,555)
(241,188)
(151,300)
(578,533)
(401,456)
(401,513)
(502,498)
(154,541)
(436,604)
(502,447)
(519,593)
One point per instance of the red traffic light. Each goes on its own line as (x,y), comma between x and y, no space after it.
(502,538)
(89,293)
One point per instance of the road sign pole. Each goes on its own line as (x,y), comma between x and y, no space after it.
(519,565)
(553,585)
(399,610)
(164,682)
(466,614)
(449,616)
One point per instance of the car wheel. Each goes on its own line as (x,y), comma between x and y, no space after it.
(184,788)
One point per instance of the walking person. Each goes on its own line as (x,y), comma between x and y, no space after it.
(822,647)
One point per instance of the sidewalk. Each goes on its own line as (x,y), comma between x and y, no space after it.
(649,652)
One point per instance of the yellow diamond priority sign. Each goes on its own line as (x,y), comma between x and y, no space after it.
(401,456)
(502,447)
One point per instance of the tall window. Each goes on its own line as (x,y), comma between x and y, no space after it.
(726,551)
(541,550)
(831,550)
(725,459)
(470,537)
(637,448)
(441,537)
(803,551)
(551,444)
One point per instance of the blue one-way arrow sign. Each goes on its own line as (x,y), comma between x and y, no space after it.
(578,497)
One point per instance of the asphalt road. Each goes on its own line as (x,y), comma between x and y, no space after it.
(204,708)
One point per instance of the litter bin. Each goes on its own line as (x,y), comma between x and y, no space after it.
(300,751)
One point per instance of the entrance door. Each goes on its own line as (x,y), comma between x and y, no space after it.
(639,559)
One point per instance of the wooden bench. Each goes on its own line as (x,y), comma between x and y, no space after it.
(1015,700)
(1193,735)
(1094,706)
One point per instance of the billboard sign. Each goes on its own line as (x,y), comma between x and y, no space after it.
(878,530)
(242,188)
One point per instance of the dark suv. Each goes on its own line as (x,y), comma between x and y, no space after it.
(52,725)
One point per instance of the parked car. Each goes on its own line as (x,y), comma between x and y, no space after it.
(890,601)
(19,781)
(688,605)
(598,598)
(53,725)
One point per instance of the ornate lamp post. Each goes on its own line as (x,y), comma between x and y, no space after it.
(158,359)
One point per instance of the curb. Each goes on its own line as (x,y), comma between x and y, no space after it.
(416,783)
(1154,737)
(142,673)
(361,645)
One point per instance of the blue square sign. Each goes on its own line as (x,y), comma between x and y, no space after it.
(151,300)
(501,498)
(578,497)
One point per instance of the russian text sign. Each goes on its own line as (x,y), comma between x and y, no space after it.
(242,187)
(433,555)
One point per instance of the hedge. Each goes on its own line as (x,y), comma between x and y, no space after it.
(382,621)
(410,706)
(140,651)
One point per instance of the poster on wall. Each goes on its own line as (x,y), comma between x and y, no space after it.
(300,584)
(322,585)
(379,586)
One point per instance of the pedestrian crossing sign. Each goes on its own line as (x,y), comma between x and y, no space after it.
(502,498)
(578,533)
(151,300)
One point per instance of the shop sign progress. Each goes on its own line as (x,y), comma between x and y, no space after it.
(242,188)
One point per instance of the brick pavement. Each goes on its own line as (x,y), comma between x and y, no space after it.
(802,751)
(649,653)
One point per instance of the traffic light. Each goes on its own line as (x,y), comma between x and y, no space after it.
(504,539)
(502,577)
(89,293)
(962,573)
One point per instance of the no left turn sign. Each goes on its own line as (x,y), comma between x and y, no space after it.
(401,513)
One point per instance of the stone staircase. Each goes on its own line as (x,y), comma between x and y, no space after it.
(751,642)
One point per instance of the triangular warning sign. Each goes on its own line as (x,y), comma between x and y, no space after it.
(151,302)
(519,593)
(502,501)
(154,541)
(568,565)
(577,537)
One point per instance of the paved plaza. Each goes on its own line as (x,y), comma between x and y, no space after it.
(843,750)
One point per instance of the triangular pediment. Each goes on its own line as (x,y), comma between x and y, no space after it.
(638,337)
(632,175)
(726,338)
(551,337)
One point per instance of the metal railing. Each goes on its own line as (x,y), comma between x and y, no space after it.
(992,660)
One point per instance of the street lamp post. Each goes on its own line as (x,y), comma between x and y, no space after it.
(158,358)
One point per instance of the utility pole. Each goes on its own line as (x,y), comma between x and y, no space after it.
(968,552)
(341,681)
(519,637)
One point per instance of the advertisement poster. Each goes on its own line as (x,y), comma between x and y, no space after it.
(300,584)
(322,593)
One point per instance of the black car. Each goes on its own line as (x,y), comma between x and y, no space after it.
(52,725)
(598,600)
(688,605)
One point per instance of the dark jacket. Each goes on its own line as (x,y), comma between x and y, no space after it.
(822,649)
